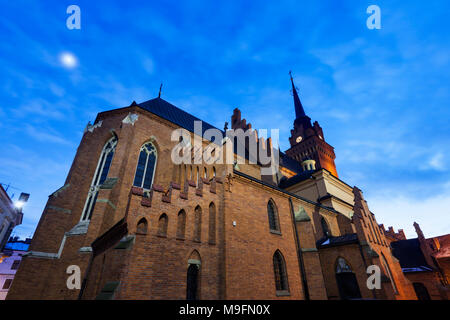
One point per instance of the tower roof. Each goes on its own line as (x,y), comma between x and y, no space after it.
(299,111)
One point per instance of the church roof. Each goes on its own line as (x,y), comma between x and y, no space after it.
(289,163)
(301,176)
(326,242)
(168,111)
(410,255)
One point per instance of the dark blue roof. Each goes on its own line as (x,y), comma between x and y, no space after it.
(17,245)
(409,254)
(290,163)
(168,111)
(284,183)
(337,241)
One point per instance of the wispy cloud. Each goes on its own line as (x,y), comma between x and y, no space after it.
(45,135)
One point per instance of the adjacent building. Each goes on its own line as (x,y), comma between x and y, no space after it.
(10,216)
(425,262)
(9,262)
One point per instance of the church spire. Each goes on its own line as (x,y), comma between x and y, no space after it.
(299,111)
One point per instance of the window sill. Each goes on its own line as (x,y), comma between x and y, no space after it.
(275,232)
(283,293)
(180,238)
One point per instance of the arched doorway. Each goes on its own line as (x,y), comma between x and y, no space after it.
(421,291)
(193,276)
(192,282)
(346,281)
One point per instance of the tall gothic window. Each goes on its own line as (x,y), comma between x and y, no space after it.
(212,223)
(181,224)
(197,179)
(273,216)
(279,268)
(198,224)
(101,172)
(162,225)
(388,271)
(146,166)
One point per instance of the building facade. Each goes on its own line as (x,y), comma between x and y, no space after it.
(10,216)
(139,226)
(425,262)
(10,260)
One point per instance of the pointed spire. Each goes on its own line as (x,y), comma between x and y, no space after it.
(299,112)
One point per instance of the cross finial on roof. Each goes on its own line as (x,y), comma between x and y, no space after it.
(160,88)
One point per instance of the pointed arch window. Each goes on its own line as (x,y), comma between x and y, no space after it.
(279,268)
(325,228)
(273,216)
(198,224)
(212,223)
(142,226)
(342,266)
(146,166)
(101,172)
(346,280)
(162,225)
(388,271)
(181,225)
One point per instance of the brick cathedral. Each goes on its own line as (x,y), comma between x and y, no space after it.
(139,226)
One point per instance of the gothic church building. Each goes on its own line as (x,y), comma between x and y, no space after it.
(139,226)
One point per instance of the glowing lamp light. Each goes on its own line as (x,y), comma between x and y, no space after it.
(23,198)
(19,204)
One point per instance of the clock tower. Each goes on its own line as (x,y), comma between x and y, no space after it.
(307,141)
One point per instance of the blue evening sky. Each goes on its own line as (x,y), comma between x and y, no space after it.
(381,96)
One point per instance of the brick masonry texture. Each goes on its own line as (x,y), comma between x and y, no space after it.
(236,262)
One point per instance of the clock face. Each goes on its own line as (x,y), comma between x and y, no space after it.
(298,139)
(320,137)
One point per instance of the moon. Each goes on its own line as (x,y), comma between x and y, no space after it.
(68,60)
